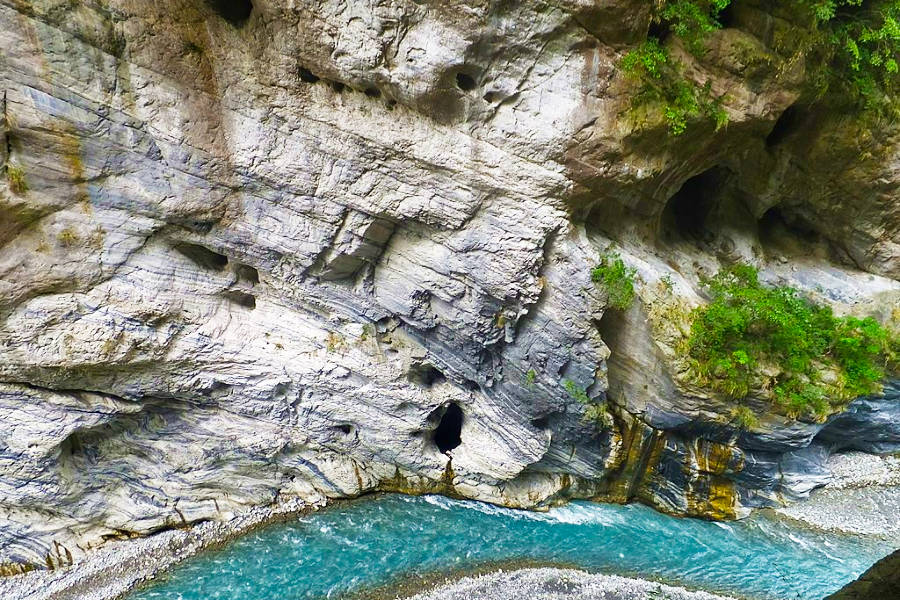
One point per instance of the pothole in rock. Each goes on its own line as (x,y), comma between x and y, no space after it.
(686,214)
(447,436)
(465,82)
(425,375)
(784,233)
(202,256)
(235,12)
(789,123)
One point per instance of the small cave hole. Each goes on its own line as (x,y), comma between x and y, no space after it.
(472,386)
(685,214)
(307,76)
(541,422)
(447,435)
(345,428)
(788,233)
(788,123)
(241,298)
(726,17)
(337,86)
(490,97)
(202,256)
(658,30)
(248,274)
(373,92)
(425,375)
(465,82)
(235,12)
(391,104)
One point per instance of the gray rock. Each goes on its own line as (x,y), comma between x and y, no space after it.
(260,258)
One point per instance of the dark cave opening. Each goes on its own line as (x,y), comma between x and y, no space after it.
(447,435)
(202,256)
(787,124)
(308,76)
(235,12)
(241,298)
(726,17)
(425,375)
(686,213)
(465,82)
(247,273)
(788,233)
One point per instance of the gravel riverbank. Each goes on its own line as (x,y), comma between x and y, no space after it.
(862,499)
(119,566)
(559,584)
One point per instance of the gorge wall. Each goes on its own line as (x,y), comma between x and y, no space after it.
(251,250)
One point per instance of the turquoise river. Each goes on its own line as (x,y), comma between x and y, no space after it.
(371,542)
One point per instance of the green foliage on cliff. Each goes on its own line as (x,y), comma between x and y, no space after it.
(751,336)
(861,43)
(16,178)
(594,412)
(616,279)
(856,44)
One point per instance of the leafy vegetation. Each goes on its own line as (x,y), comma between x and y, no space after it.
(662,81)
(855,42)
(530,377)
(67,237)
(16,178)
(594,412)
(616,279)
(754,337)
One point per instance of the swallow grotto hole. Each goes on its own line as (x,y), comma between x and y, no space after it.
(235,12)
(202,256)
(447,435)
(425,375)
(686,213)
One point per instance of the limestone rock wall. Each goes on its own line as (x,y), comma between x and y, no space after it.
(256,249)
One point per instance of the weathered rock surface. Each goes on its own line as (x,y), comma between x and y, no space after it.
(882,580)
(259,250)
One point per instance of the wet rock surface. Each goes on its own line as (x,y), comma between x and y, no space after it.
(881,581)
(258,254)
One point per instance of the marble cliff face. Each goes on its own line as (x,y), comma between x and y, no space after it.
(318,248)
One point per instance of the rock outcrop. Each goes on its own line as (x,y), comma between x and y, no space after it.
(882,580)
(314,249)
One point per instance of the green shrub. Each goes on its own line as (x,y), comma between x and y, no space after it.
(662,82)
(16,178)
(67,237)
(616,279)
(594,412)
(530,377)
(744,417)
(751,336)
(851,46)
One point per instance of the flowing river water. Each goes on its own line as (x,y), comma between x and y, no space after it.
(363,544)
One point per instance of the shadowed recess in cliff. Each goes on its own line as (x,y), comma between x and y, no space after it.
(235,12)
(447,436)
(685,215)
(368,543)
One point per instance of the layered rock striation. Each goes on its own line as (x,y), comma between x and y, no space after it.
(251,250)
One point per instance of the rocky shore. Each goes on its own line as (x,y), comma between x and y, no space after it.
(863,497)
(120,566)
(559,584)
